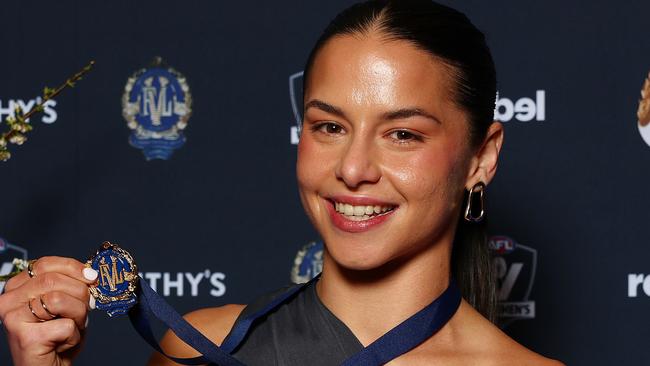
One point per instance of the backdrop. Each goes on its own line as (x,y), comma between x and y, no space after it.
(219,221)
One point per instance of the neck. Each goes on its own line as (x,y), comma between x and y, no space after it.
(372,302)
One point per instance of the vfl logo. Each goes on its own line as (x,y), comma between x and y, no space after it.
(114,273)
(7,253)
(643,113)
(308,263)
(156,105)
(295,96)
(515,266)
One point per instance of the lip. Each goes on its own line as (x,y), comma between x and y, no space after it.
(343,224)
(359,200)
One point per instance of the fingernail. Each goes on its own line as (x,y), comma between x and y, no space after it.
(91,302)
(86,326)
(90,274)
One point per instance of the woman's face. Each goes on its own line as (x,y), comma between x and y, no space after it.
(383,157)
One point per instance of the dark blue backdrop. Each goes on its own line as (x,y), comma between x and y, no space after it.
(224,211)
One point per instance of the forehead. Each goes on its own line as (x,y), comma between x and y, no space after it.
(367,70)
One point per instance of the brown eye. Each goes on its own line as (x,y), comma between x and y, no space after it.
(402,135)
(331,128)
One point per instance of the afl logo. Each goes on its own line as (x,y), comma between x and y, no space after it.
(643,113)
(156,105)
(514,266)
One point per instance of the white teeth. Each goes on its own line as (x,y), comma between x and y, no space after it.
(348,210)
(359,213)
(358,218)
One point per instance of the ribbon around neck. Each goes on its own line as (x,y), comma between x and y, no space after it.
(396,342)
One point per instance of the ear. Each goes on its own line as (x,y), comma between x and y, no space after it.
(483,165)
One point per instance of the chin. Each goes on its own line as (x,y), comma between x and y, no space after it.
(359,259)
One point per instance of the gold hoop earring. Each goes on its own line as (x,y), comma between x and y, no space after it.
(478,188)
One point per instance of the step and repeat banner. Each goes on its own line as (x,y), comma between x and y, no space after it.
(180,145)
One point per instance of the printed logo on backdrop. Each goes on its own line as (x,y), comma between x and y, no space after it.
(643,113)
(157,105)
(182,284)
(7,254)
(295,97)
(8,108)
(308,263)
(524,109)
(515,266)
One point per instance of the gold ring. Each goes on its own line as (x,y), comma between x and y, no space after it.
(29,304)
(45,308)
(30,268)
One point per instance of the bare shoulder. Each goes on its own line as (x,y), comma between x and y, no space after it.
(470,339)
(496,347)
(215,323)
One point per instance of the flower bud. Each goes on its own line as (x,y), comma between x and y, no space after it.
(17,139)
(4,155)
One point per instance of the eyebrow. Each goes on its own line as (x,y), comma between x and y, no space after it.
(409,112)
(325,107)
(392,115)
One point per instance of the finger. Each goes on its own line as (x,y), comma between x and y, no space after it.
(16,281)
(62,334)
(56,282)
(62,305)
(67,266)
(45,283)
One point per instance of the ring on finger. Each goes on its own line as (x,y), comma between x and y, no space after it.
(54,316)
(30,268)
(29,304)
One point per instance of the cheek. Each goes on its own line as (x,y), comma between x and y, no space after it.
(429,177)
(310,165)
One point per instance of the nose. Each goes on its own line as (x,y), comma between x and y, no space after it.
(358,163)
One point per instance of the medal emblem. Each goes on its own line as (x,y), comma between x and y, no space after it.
(157,105)
(117,280)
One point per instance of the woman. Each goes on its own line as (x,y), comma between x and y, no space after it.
(396,147)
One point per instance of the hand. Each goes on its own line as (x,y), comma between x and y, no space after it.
(58,294)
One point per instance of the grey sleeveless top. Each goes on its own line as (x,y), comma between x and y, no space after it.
(301,331)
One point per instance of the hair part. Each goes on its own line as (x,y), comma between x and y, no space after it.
(450,37)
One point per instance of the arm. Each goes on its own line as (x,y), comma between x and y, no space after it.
(214,323)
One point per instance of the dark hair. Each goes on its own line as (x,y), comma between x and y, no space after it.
(450,37)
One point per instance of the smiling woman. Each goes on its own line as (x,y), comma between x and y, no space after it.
(397,146)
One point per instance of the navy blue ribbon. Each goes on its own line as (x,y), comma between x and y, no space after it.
(411,332)
(152,304)
(399,340)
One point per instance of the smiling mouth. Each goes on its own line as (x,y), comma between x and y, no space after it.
(361,213)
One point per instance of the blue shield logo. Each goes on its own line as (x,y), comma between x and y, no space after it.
(157,106)
(308,262)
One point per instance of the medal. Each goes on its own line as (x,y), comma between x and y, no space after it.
(117,280)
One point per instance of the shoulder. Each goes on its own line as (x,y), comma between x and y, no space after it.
(215,323)
(492,345)
(470,339)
